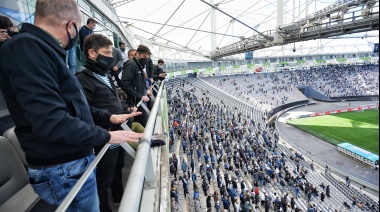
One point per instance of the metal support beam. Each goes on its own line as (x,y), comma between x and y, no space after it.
(126,146)
(145,108)
(323,27)
(154,36)
(129,149)
(213,26)
(280,13)
(299,10)
(294,11)
(69,198)
(120,3)
(265,36)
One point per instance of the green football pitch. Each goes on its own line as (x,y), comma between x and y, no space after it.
(358,128)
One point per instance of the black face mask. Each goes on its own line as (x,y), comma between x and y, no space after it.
(122,49)
(72,41)
(143,61)
(104,61)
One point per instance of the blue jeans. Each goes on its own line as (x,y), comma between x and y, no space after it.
(53,184)
(71,60)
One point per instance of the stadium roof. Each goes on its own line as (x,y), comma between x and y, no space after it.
(187,23)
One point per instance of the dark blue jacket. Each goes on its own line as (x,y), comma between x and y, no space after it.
(83,33)
(54,122)
(194,177)
(226,203)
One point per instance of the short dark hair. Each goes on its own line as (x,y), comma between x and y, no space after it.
(131,50)
(161,61)
(95,42)
(143,50)
(121,43)
(91,21)
(5,22)
(56,11)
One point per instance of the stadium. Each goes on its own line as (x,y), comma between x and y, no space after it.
(257,106)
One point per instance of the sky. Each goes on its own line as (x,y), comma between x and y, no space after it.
(145,18)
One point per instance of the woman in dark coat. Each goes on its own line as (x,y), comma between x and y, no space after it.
(322,196)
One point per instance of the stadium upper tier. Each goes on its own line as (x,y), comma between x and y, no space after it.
(268,90)
(337,81)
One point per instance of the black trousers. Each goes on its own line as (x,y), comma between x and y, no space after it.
(109,175)
(143,118)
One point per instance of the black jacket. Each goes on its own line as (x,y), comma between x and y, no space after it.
(133,82)
(54,122)
(149,68)
(100,96)
(157,72)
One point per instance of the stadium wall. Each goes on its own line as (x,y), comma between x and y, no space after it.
(284,107)
(357,98)
(310,92)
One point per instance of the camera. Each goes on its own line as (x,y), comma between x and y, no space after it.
(11,32)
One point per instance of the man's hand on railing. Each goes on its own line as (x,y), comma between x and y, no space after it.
(119,119)
(149,92)
(145,99)
(124,136)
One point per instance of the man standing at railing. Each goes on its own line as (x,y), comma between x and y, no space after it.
(133,81)
(101,93)
(54,123)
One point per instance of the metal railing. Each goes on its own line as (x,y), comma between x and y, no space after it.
(132,193)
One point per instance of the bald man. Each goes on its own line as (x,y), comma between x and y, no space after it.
(54,123)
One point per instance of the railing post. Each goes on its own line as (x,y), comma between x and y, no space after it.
(74,191)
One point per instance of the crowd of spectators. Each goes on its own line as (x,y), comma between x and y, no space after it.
(278,88)
(340,80)
(232,151)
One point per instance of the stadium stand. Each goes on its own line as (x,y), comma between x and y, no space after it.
(268,90)
(239,136)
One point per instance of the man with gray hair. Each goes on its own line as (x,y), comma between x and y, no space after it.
(54,122)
